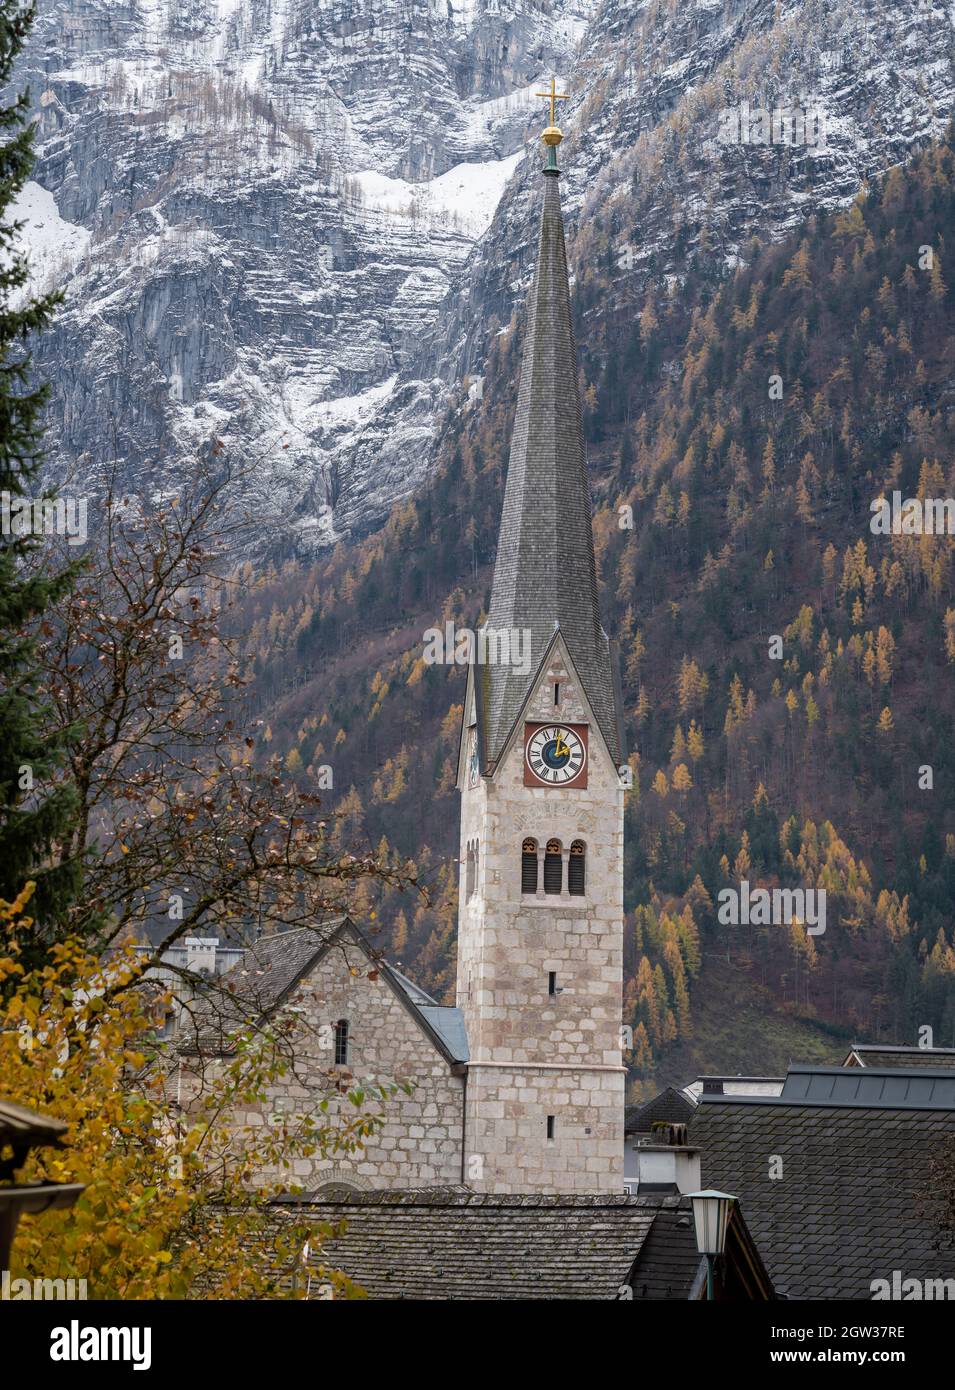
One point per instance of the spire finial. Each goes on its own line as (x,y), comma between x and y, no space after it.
(553,135)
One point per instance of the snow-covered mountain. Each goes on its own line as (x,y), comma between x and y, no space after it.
(257,207)
(292,224)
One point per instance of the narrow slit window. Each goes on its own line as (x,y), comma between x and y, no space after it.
(553,867)
(551,1125)
(471,870)
(577,869)
(556,692)
(552,982)
(341,1042)
(529,866)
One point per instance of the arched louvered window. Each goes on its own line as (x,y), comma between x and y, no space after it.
(553,867)
(529,866)
(341,1042)
(577,868)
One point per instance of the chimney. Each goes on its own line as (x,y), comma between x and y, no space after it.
(201,954)
(668,1161)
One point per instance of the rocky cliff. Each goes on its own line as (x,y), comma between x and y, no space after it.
(258,207)
(294,224)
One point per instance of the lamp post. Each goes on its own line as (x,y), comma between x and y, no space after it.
(711,1214)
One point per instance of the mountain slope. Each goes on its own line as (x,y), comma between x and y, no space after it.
(272,215)
(260,205)
(727,515)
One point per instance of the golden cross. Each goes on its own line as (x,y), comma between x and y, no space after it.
(553,96)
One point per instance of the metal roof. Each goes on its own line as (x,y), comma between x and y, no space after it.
(450,1026)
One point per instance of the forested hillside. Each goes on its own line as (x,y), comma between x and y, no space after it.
(739,432)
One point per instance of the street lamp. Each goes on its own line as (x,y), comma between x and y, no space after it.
(711,1214)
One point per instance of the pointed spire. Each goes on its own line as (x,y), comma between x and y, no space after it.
(545,575)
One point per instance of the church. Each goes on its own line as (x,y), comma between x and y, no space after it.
(518,1088)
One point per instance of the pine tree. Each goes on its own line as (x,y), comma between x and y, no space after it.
(35,817)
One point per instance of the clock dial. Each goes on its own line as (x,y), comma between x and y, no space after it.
(555,755)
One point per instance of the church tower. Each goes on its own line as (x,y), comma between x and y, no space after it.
(540,924)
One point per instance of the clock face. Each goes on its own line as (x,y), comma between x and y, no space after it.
(555,755)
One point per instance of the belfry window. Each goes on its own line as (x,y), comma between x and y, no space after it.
(577,868)
(553,867)
(529,866)
(341,1042)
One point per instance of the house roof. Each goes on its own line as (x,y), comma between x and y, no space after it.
(879,1055)
(258,984)
(18,1125)
(545,578)
(22,1130)
(888,1088)
(669,1107)
(454,1244)
(844,1210)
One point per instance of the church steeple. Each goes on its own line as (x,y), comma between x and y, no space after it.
(545,575)
(540,907)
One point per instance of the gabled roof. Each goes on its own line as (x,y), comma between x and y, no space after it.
(450,1243)
(454,1244)
(260,983)
(844,1210)
(882,1055)
(545,577)
(669,1107)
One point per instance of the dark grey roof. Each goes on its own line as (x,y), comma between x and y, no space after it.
(668,1264)
(844,1210)
(19,1125)
(450,1027)
(545,576)
(270,970)
(884,1089)
(20,1131)
(879,1055)
(254,987)
(669,1107)
(449,1244)
(414,992)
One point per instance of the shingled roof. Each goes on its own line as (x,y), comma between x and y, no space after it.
(545,577)
(454,1244)
(844,1210)
(669,1107)
(879,1055)
(258,985)
(451,1243)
